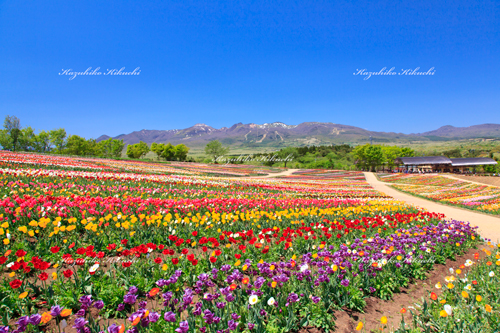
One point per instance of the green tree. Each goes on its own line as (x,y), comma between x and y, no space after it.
(369,156)
(168,152)
(117,148)
(407,152)
(92,148)
(214,149)
(42,142)
(390,154)
(269,159)
(137,150)
(27,139)
(12,125)
(5,140)
(110,148)
(332,157)
(77,145)
(288,154)
(15,133)
(58,138)
(181,152)
(157,148)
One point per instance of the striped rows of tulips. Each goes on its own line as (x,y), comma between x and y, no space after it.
(138,252)
(415,179)
(463,194)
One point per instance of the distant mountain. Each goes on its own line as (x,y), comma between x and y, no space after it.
(102,138)
(309,133)
(475,131)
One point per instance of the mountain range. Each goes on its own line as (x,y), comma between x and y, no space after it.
(308,133)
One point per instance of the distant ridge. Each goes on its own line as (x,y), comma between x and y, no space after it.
(307,133)
(475,131)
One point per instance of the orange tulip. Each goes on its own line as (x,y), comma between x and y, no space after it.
(153,292)
(46,317)
(136,321)
(66,312)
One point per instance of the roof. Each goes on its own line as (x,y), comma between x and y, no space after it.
(432,160)
(423,160)
(472,161)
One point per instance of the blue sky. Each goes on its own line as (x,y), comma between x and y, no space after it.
(223,62)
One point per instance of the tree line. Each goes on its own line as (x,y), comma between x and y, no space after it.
(368,156)
(343,156)
(15,138)
(165,151)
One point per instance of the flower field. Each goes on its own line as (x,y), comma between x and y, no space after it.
(464,300)
(459,193)
(414,179)
(316,174)
(87,249)
(23,160)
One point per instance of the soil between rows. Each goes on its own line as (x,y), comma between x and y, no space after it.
(347,320)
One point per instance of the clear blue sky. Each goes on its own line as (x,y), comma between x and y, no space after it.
(223,62)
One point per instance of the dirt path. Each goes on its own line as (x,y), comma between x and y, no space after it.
(284,173)
(489,226)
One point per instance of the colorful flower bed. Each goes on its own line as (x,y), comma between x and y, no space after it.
(460,193)
(326,174)
(20,160)
(34,160)
(414,179)
(467,299)
(138,252)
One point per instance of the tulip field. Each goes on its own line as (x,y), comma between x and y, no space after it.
(483,198)
(90,245)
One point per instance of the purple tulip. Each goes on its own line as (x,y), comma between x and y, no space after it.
(23,322)
(169,317)
(35,319)
(232,325)
(113,328)
(153,317)
(183,327)
(130,298)
(99,305)
(80,323)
